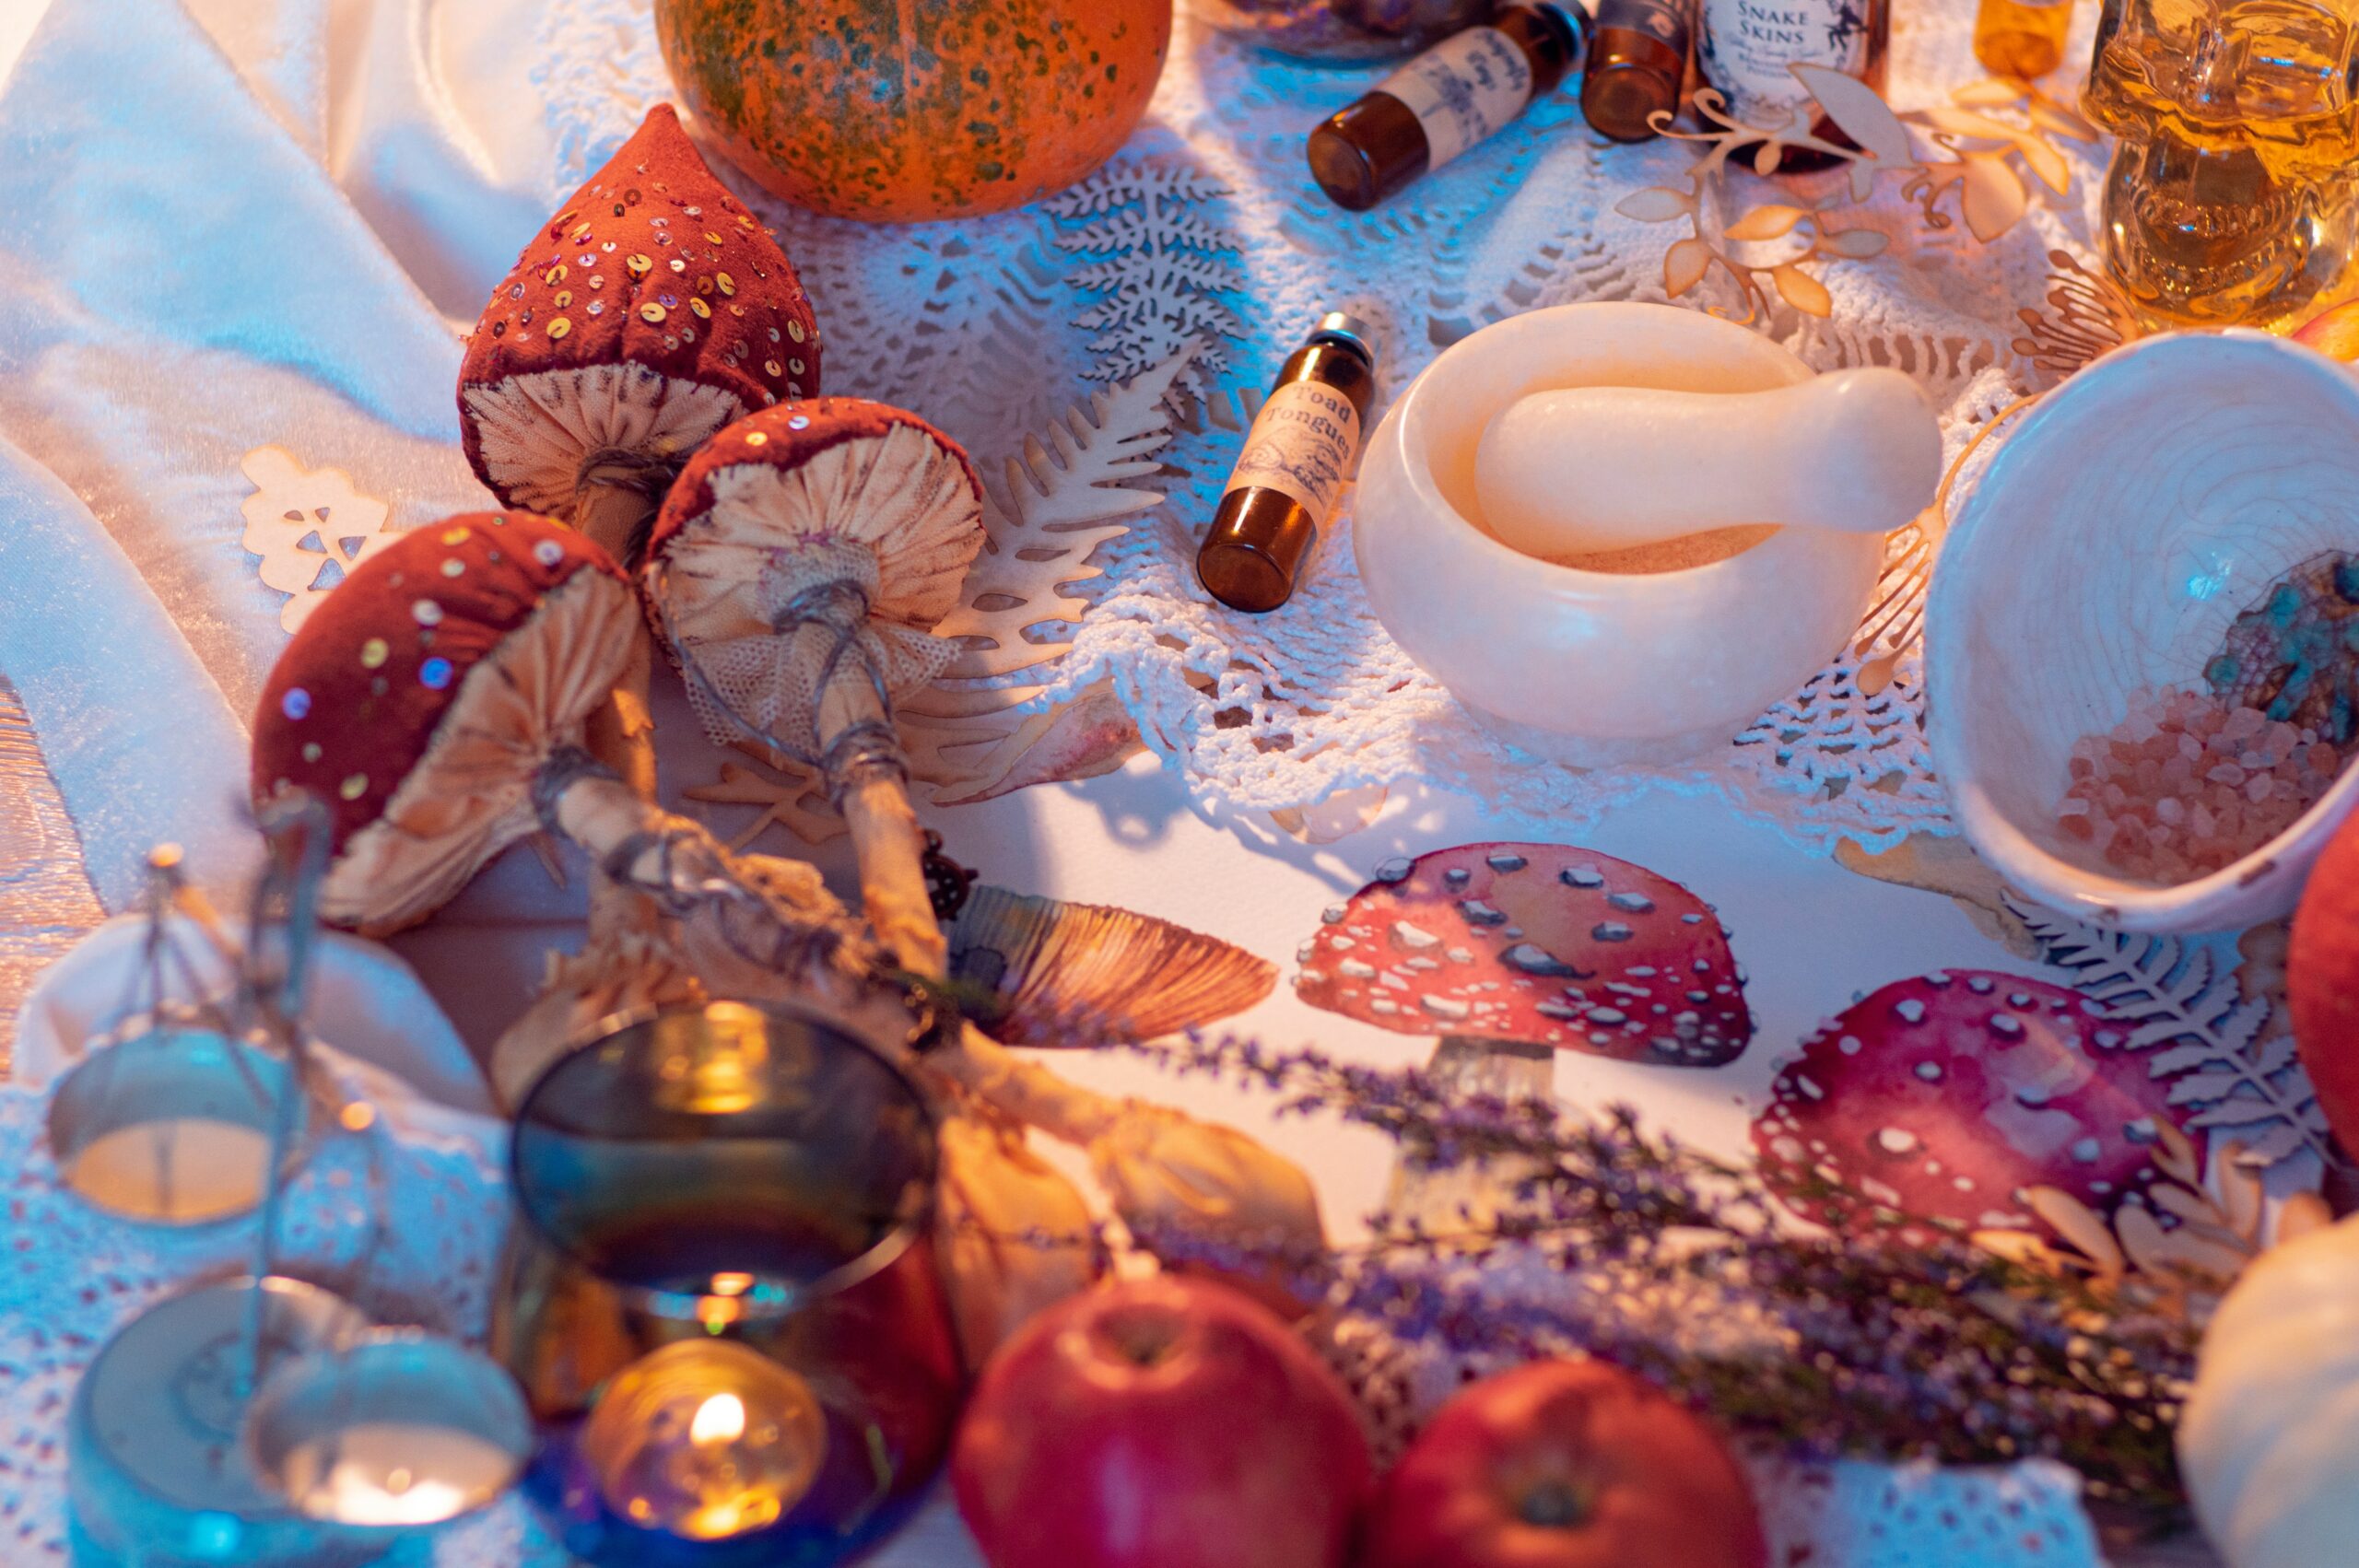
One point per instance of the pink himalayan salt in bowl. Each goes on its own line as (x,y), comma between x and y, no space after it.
(2189,783)
(2104,556)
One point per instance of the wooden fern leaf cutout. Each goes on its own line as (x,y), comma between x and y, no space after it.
(2230,1056)
(309,526)
(1056,503)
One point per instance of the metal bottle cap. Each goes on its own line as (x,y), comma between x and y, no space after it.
(1343,327)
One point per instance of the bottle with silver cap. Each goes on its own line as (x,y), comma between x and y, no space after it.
(1296,456)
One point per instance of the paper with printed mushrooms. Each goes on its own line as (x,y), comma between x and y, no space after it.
(1944,1099)
(1516,951)
(797,569)
(650,312)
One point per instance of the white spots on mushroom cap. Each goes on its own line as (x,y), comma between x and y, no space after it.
(1446,1008)
(1931,1071)
(1634,902)
(2006,1026)
(1690,919)
(1394,870)
(1394,981)
(1478,913)
(2142,1130)
(1335,913)
(1611,930)
(1981,985)
(1383,1007)
(1421,964)
(1459,956)
(1581,876)
(2087,1150)
(1457,877)
(1910,1010)
(1413,939)
(1533,960)
(1505,861)
(1849,1045)
(1353,970)
(1895,1141)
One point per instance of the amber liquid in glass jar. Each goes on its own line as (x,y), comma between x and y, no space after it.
(1743,48)
(2022,37)
(1443,102)
(2233,194)
(1637,62)
(1296,457)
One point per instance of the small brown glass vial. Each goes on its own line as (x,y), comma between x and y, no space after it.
(1637,62)
(1296,456)
(1444,102)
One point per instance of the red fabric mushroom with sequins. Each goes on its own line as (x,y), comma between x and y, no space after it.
(650,312)
(1944,1098)
(1533,948)
(421,697)
(798,568)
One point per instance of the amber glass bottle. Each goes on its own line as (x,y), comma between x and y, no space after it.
(1444,102)
(1743,48)
(1637,60)
(1296,456)
(2022,37)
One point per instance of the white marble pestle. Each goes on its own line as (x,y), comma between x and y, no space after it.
(1581,470)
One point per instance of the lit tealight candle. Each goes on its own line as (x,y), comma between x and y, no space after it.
(704,1439)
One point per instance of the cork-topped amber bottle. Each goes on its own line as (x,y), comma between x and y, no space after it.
(1637,62)
(1296,456)
(1444,102)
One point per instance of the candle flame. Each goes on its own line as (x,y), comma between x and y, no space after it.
(721,1419)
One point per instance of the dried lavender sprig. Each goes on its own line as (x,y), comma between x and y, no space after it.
(1873,1348)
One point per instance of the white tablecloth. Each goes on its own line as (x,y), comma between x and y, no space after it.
(237,223)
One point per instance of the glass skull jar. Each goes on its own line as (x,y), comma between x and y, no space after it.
(719,1296)
(2231,196)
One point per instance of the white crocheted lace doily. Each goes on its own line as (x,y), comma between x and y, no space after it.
(990,327)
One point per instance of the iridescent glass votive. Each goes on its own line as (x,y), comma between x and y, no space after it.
(719,1296)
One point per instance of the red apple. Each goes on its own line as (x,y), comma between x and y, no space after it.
(1564,1464)
(1159,1423)
(2322,982)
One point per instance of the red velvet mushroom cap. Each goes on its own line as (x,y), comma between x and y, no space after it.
(1537,944)
(834,490)
(652,310)
(1944,1097)
(417,701)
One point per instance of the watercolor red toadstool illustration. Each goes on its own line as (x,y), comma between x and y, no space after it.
(1944,1097)
(1527,949)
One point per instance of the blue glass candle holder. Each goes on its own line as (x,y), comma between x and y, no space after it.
(720,1295)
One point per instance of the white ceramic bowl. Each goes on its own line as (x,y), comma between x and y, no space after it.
(2134,513)
(1589,666)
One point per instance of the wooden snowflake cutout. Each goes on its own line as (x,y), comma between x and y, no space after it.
(310,526)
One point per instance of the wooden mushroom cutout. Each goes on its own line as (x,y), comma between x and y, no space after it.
(1043,967)
(797,569)
(1511,953)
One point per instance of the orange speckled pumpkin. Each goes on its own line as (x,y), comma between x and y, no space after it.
(895,110)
